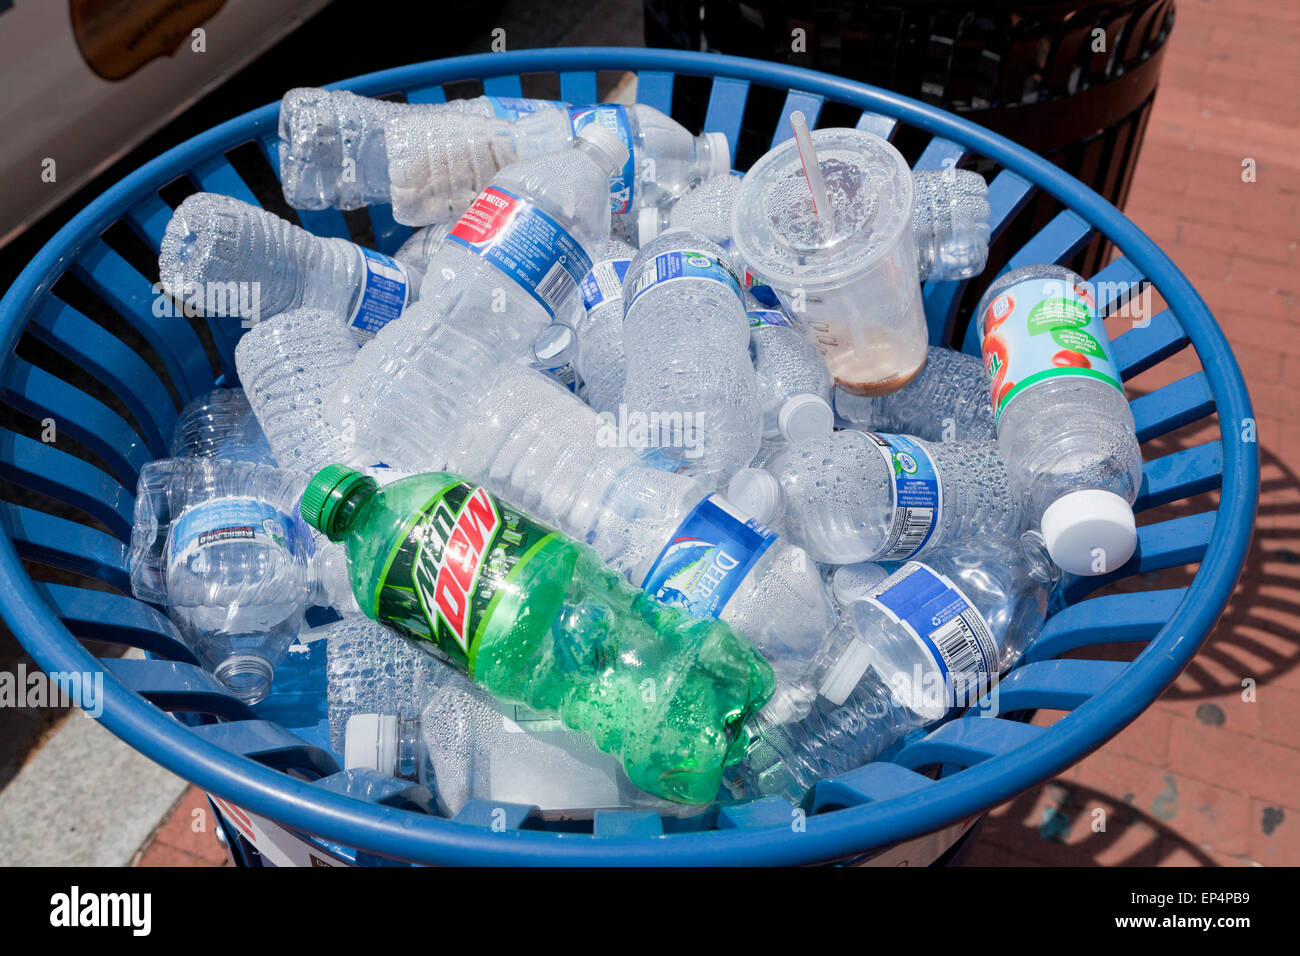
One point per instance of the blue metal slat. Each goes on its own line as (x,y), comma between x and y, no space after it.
(617,823)
(59,543)
(764,812)
(1116,278)
(1187,472)
(1144,347)
(967,741)
(579,88)
(726,110)
(881,780)
(497,816)
(426,94)
(216,175)
(1051,685)
(1111,618)
(271,745)
(115,619)
(654,88)
(877,123)
(44,468)
(108,359)
(389,233)
(148,219)
(132,296)
(940,153)
(41,395)
(179,688)
(1172,406)
(503,86)
(810,104)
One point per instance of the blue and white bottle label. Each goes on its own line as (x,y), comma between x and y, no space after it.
(528,245)
(682,264)
(383,293)
(759,317)
(513,107)
(223,520)
(947,626)
(604,282)
(612,116)
(917,496)
(707,557)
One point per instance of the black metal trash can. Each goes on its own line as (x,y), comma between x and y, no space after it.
(1072,81)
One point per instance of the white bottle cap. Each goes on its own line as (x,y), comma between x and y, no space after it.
(1089,532)
(647,224)
(608,142)
(370,743)
(845,673)
(719,154)
(805,416)
(755,492)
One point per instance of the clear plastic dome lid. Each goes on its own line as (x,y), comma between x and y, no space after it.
(781,239)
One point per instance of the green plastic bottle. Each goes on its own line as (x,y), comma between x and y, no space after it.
(537,618)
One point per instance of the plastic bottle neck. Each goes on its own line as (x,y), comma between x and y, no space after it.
(1040,565)
(353,500)
(407,765)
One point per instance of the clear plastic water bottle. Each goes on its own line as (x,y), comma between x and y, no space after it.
(851,583)
(950,220)
(860,496)
(601,362)
(933,636)
(369,669)
(417,252)
(345,151)
(220,424)
(536,618)
(686,337)
(221,546)
(216,244)
(466,745)
(794,385)
(1064,426)
(947,401)
(555,354)
(706,209)
(288,364)
(505,272)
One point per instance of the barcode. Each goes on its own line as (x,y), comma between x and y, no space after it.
(555,286)
(955,647)
(915,526)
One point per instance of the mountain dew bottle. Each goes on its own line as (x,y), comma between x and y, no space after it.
(536,618)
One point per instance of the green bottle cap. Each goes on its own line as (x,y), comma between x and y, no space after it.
(324,493)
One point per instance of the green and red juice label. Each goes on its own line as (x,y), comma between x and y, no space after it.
(1040,329)
(443,577)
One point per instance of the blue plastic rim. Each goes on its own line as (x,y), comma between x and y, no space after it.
(876,806)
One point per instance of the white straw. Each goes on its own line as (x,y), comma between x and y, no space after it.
(811,171)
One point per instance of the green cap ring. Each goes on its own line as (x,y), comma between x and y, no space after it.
(324,493)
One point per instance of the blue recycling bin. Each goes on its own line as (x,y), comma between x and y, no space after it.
(112,374)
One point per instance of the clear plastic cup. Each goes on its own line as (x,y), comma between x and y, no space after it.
(848,279)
